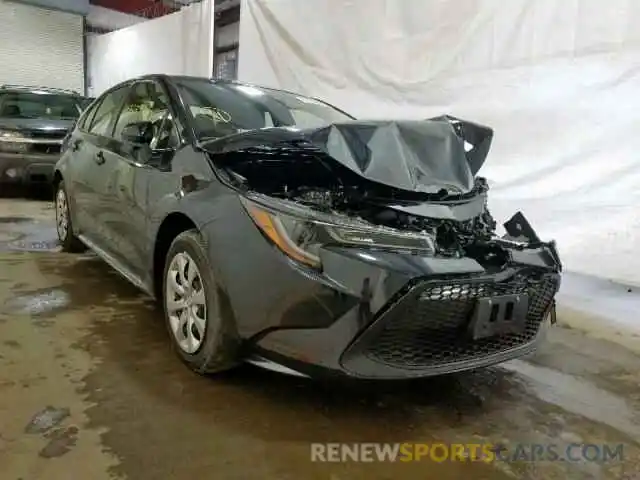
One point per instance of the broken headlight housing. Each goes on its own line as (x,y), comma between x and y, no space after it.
(300,232)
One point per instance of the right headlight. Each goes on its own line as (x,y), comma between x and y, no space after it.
(300,232)
(11,142)
(9,134)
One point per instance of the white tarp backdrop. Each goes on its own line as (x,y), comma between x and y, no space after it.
(180,43)
(558,80)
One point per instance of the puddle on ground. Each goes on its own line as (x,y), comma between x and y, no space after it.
(26,234)
(37,303)
(15,219)
(61,441)
(578,396)
(7,237)
(32,246)
(46,419)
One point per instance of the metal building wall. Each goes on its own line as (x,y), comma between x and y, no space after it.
(41,47)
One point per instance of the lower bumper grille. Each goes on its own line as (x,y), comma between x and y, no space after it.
(431,328)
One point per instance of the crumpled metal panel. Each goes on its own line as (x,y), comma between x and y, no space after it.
(414,155)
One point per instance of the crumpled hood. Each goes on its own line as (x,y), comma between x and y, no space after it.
(412,155)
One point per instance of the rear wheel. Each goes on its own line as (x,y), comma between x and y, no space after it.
(202,332)
(64,227)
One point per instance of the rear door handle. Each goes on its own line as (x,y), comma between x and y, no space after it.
(75,145)
(100,158)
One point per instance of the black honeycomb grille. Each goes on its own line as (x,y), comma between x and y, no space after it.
(431,329)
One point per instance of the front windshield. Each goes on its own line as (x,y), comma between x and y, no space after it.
(222,108)
(38,105)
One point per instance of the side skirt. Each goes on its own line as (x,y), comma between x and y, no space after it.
(117,266)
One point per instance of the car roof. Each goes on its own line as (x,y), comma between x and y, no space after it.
(42,90)
(189,77)
(220,81)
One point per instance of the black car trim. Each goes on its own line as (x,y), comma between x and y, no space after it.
(367,338)
(117,265)
(395,374)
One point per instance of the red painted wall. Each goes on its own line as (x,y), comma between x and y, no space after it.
(147,8)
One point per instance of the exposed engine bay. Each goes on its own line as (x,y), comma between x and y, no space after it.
(452,236)
(417,176)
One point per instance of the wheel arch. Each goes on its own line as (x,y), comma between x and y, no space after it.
(173,225)
(57,178)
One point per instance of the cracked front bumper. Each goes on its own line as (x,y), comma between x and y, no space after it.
(426,332)
(375,313)
(421,328)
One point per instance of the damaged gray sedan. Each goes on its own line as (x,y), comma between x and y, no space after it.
(277,229)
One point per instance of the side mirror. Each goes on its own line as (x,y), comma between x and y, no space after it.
(139,132)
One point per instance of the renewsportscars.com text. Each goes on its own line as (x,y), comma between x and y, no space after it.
(482,452)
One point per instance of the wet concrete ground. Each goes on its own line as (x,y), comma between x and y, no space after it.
(90,389)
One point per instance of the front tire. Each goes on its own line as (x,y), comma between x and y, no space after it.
(201,330)
(70,243)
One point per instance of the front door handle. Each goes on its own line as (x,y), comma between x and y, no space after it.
(75,145)
(100,158)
